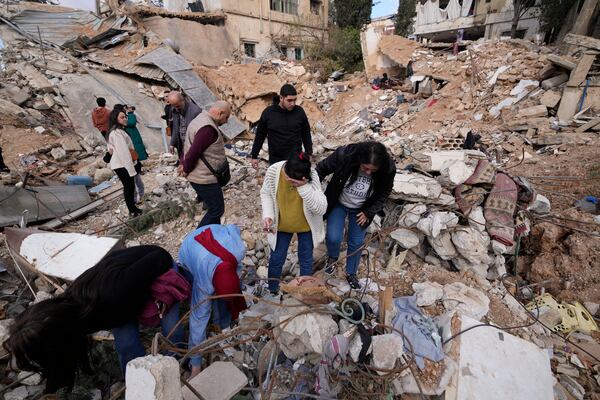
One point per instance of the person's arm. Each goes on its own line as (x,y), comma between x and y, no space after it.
(327,166)
(95,120)
(261,135)
(313,196)
(199,318)
(266,197)
(204,138)
(131,120)
(306,136)
(377,201)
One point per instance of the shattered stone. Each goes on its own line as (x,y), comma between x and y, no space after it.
(20,393)
(472,245)
(18,95)
(466,300)
(386,351)
(58,153)
(428,293)
(437,221)
(152,378)
(541,205)
(443,246)
(220,381)
(411,214)
(304,334)
(405,237)
(27,380)
(69,143)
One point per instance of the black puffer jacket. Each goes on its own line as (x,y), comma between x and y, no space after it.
(342,164)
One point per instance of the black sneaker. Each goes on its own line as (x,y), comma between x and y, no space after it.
(136,213)
(353,281)
(330,266)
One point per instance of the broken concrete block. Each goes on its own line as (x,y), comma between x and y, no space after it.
(455,173)
(18,95)
(58,153)
(103,174)
(153,378)
(466,300)
(405,237)
(443,246)
(20,393)
(36,79)
(550,98)
(428,293)
(303,334)
(27,380)
(555,81)
(39,129)
(591,307)
(40,105)
(220,381)
(70,143)
(541,205)
(416,186)
(10,109)
(49,100)
(386,350)
(163,180)
(437,221)
(411,214)
(472,244)
(495,365)
(533,112)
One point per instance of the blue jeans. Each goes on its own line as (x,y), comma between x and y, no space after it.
(127,337)
(212,196)
(278,256)
(335,234)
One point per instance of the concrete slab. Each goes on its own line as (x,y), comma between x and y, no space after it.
(152,378)
(495,365)
(80,93)
(221,381)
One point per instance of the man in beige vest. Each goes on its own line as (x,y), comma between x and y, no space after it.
(204,138)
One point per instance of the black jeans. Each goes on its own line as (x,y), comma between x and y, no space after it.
(128,188)
(212,196)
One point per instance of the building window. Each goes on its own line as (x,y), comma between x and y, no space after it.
(298,53)
(315,7)
(285,6)
(283,50)
(520,34)
(250,49)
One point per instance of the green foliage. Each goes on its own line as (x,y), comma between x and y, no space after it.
(351,13)
(342,51)
(553,15)
(165,211)
(407,10)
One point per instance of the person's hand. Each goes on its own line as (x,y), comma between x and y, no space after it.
(296,182)
(171,149)
(180,171)
(362,218)
(254,163)
(195,371)
(268,224)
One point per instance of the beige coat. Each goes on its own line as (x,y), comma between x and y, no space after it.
(119,145)
(214,154)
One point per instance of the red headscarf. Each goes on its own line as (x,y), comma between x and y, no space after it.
(225,278)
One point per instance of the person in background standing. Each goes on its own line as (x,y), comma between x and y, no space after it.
(362,181)
(123,158)
(292,202)
(140,149)
(204,145)
(100,116)
(285,126)
(183,112)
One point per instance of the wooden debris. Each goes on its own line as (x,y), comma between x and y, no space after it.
(589,125)
(583,41)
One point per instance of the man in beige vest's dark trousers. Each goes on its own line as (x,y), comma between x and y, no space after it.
(204,138)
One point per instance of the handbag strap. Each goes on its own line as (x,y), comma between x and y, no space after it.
(210,168)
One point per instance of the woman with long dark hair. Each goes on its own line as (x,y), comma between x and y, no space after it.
(292,203)
(51,337)
(363,177)
(123,158)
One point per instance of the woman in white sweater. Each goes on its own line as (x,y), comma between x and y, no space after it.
(123,158)
(292,202)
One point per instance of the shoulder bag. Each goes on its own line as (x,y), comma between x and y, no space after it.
(223,174)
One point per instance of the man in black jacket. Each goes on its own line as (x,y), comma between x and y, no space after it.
(362,181)
(285,126)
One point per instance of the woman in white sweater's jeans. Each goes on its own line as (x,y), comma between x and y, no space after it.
(292,202)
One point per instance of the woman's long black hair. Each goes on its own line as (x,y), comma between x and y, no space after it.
(49,337)
(373,153)
(113,118)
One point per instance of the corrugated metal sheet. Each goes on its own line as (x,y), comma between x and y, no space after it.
(179,70)
(125,64)
(57,27)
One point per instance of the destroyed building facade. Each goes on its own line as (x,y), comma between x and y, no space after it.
(260,27)
(440,20)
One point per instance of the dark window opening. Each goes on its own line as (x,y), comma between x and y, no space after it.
(519,35)
(285,6)
(315,7)
(250,49)
(298,53)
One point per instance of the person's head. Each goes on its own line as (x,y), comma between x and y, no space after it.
(385,75)
(220,112)
(47,338)
(101,101)
(298,166)
(288,97)
(117,118)
(176,100)
(373,156)
(130,109)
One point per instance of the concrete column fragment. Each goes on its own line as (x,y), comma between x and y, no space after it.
(153,378)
